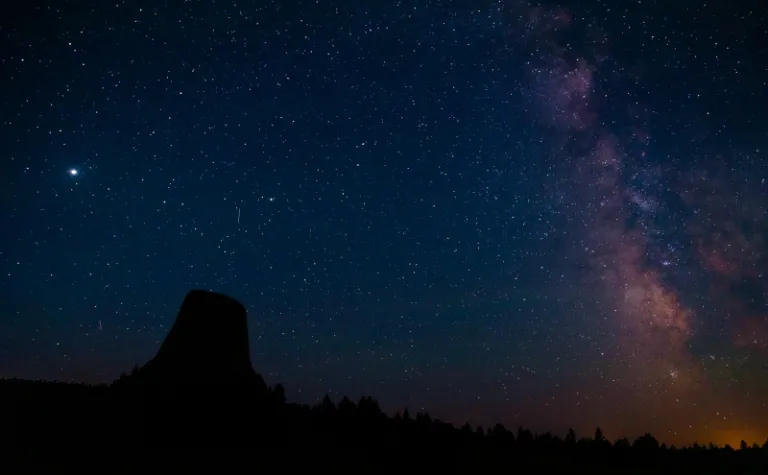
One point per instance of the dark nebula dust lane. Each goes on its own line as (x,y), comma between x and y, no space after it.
(546,214)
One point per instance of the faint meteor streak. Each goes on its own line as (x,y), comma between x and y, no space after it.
(238,215)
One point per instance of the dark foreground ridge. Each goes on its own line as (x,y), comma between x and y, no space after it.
(200,391)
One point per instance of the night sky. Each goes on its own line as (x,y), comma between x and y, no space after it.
(540,215)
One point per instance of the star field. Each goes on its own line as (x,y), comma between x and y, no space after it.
(550,215)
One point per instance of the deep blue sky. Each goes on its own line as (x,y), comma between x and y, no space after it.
(548,215)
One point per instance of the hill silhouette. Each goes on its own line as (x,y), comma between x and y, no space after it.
(200,391)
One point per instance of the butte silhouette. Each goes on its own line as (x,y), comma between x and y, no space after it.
(208,344)
(200,386)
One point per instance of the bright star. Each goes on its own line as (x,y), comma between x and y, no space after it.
(73,171)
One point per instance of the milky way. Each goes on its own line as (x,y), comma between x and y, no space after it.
(651,326)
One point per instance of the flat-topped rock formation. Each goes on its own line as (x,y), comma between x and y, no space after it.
(200,388)
(208,343)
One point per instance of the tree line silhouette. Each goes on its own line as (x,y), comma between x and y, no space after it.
(169,402)
(128,413)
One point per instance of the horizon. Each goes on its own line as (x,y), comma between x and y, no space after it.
(730,438)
